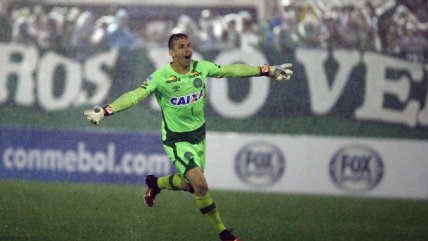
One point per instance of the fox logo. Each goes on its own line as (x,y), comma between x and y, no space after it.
(187,99)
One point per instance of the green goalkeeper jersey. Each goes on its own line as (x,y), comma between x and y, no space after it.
(182,97)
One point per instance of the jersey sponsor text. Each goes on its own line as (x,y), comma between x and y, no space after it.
(187,99)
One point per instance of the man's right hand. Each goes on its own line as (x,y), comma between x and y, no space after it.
(95,116)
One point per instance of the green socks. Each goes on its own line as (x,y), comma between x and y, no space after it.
(172,182)
(205,204)
(207,207)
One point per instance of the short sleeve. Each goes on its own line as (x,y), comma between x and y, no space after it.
(149,84)
(212,69)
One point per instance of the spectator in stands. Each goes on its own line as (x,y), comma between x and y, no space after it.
(23,33)
(287,18)
(38,20)
(390,39)
(249,37)
(265,32)
(5,22)
(373,26)
(224,38)
(52,38)
(118,33)
(277,18)
(233,35)
(372,40)
(185,24)
(211,42)
(310,28)
(286,38)
(349,28)
(68,28)
(81,38)
(99,36)
(412,43)
(157,31)
(206,20)
(333,37)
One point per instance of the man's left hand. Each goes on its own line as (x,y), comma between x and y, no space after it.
(281,72)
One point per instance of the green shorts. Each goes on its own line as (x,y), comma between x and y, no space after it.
(186,156)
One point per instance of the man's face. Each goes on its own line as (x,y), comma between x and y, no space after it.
(181,51)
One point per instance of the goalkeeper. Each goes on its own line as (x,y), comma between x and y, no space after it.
(181,92)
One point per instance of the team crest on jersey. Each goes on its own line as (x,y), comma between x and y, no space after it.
(187,99)
(197,82)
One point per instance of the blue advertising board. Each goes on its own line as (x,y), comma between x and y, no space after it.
(81,156)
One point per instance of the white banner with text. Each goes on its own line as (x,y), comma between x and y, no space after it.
(390,168)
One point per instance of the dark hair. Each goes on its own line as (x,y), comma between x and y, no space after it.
(174,37)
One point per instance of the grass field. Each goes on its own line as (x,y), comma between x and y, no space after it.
(59,211)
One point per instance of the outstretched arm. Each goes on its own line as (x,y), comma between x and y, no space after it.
(237,70)
(129,99)
(279,72)
(125,101)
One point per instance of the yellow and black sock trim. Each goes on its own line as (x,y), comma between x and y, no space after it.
(208,209)
(171,183)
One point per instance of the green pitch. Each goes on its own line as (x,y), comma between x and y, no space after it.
(59,211)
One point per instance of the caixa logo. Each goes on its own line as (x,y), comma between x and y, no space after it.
(187,99)
(356,168)
(260,164)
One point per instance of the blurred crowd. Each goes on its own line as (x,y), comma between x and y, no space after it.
(393,27)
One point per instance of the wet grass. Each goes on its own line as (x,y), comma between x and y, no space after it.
(63,211)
